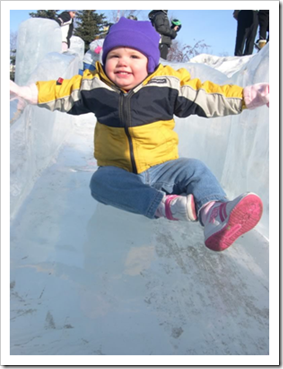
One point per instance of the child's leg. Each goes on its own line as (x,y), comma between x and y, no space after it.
(124,190)
(224,221)
(185,176)
(189,178)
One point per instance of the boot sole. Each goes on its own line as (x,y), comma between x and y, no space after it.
(245,216)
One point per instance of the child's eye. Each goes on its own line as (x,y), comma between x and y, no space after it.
(113,55)
(135,56)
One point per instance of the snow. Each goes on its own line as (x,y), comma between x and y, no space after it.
(227,65)
(88,279)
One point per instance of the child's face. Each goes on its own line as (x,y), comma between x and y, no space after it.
(126,67)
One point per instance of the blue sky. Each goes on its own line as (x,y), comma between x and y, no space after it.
(216,28)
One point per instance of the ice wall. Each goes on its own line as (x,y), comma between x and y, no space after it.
(36,38)
(37,135)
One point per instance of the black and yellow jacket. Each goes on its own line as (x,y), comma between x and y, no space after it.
(135,129)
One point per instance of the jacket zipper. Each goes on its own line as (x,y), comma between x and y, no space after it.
(125,116)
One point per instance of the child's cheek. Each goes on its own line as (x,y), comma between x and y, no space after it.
(108,68)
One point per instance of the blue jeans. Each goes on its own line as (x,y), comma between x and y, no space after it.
(142,193)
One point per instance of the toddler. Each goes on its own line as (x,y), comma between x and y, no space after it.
(134,99)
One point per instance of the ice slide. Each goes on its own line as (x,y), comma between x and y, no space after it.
(87,279)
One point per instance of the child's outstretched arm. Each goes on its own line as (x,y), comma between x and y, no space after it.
(63,95)
(212,100)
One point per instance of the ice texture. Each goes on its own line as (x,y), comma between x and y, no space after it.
(36,38)
(36,135)
(88,279)
(77,46)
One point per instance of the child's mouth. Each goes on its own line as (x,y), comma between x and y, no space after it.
(123,73)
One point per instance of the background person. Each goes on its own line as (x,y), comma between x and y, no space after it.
(160,21)
(66,21)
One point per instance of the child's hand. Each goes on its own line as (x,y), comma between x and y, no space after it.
(256,95)
(14,90)
(97,49)
(29,93)
(15,94)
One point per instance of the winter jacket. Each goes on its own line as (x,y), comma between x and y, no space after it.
(160,21)
(135,129)
(67,26)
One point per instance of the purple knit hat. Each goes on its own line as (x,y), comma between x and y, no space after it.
(139,35)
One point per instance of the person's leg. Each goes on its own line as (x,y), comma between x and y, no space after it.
(241,34)
(263,18)
(64,47)
(144,193)
(261,26)
(267,29)
(163,51)
(186,176)
(224,221)
(251,32)
(124,190)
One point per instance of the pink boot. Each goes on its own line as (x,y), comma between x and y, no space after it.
(175,207)
(227,221)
